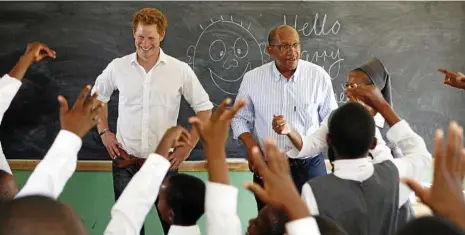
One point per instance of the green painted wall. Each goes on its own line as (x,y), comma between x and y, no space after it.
(91,196)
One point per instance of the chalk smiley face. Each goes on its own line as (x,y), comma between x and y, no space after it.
(224,52)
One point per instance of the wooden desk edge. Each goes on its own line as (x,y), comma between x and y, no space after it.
(237,166)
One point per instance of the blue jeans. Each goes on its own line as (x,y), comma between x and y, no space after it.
(302,170)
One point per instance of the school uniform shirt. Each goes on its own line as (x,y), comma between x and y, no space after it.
(184,230)
(8,88)
(149,101)
(55,169)
(221,213)
(53,172)
(316,142)
(129,212)
(416,161)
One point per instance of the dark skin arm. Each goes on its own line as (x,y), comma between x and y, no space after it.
(35,52)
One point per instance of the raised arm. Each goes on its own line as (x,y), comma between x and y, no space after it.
(417,160)
(11,82)
(279,190)
(53,172)
(129,212)
(220,197)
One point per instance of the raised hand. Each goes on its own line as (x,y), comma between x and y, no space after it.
(279,190)
(453,79)
(174,137)
(38,51)
(367,94)
(83,115)
(445,197)
(215,131)
(35,52)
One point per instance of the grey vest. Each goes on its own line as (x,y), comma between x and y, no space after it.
(361,208)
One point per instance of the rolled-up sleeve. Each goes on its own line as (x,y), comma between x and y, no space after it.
(221,209)
(105,84)
(244,120)
(193,91)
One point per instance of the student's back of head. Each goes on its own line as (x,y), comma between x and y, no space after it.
(182,200)
(351,131)
(40,216)
(269,221)
(8,187)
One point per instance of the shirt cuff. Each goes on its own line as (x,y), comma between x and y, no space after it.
(239,128)
(68,139)
(204,106)
(306,225)
(8,80)
(294,152)
(156,160)
(397,132)
(221,198)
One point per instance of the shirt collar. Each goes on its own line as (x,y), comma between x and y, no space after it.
(184,230)
(358,169)
(379,120)
(278,75)
(161,58)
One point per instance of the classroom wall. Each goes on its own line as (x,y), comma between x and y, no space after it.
(91,195)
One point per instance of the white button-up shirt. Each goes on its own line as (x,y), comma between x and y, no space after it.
(149,101)
(415,163)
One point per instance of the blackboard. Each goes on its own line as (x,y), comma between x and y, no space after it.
(221,40)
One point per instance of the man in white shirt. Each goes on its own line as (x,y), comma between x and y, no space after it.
(349,139)
(9,86)
(288,86)
(150,85)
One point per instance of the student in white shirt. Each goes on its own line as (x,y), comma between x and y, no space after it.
(129,212)
(151,84)
(221,198)
(182,203)
(9,86)
(355,166)
(34,209)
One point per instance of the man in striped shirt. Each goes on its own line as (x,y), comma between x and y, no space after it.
(290,88)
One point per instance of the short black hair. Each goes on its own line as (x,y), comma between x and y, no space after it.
(352,130)
(38,215)
(5,189)
(185,195)
(276,220)
(328,226)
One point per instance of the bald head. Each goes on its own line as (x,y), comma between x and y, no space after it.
(8,187)
(273,36)
(39,215)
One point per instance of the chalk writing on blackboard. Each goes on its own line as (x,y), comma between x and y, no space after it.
(225,50)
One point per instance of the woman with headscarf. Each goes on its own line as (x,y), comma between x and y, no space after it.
(371,73)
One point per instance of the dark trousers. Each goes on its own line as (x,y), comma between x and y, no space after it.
(302,170)
(121,178)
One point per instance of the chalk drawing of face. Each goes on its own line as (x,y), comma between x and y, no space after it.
(223,53)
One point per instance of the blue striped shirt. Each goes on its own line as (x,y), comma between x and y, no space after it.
(304,100)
